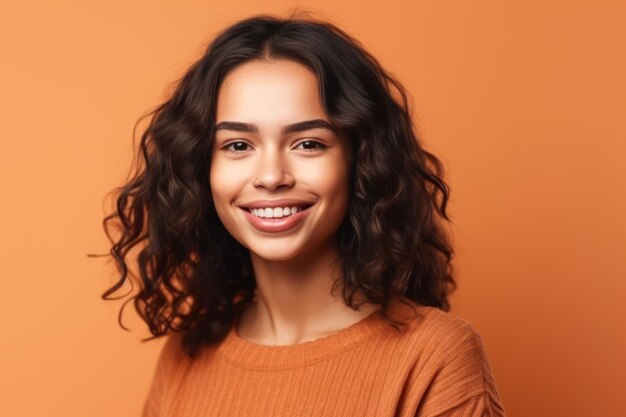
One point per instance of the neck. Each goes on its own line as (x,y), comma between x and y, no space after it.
(294,304)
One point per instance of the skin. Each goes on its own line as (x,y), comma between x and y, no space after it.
(295,269)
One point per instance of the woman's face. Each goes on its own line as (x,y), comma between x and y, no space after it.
(310,164)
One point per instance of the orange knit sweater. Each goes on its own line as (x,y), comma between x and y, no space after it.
(437,367)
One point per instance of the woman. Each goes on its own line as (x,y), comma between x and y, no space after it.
(293,247)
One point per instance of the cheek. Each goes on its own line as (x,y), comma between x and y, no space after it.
(332,185)
(333,178)
(224,180)
(223,193)
(224,177)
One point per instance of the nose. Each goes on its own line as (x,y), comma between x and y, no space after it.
(272,171)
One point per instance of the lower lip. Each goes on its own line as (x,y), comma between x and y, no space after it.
(279,224)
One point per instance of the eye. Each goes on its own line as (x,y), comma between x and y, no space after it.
(241,146)
(312,142)
(238,148)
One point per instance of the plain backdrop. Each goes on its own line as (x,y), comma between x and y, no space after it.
(524,102)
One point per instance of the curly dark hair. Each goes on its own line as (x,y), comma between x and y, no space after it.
(193,275)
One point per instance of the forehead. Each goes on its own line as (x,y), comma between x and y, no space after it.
(269,94)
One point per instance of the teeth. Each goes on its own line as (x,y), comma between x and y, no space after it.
(277,212)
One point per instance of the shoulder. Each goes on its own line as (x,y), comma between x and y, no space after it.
(451,330)
(445,345)
(458,347)
(450,363)
(172,356)
(444,339)
(437,328)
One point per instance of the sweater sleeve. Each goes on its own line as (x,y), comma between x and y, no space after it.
(462,383)
(167,363)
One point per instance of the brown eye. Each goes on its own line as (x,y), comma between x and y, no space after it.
(312,145)
(239,146)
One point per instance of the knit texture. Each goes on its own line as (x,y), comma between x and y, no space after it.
(436,367)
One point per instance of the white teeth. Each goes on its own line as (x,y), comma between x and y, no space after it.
(277,212)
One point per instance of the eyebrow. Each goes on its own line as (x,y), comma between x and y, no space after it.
(285,130)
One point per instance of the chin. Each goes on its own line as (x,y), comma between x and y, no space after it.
(275,256)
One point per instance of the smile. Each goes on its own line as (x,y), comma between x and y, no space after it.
(284,221)
(277,212)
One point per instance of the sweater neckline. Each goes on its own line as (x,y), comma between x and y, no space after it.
(243,353)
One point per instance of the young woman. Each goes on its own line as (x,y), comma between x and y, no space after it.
(291,236)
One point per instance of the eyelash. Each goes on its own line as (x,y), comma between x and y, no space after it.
(321,145)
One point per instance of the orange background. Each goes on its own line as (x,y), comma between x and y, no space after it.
(524,102)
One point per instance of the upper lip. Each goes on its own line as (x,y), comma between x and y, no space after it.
(283,202)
